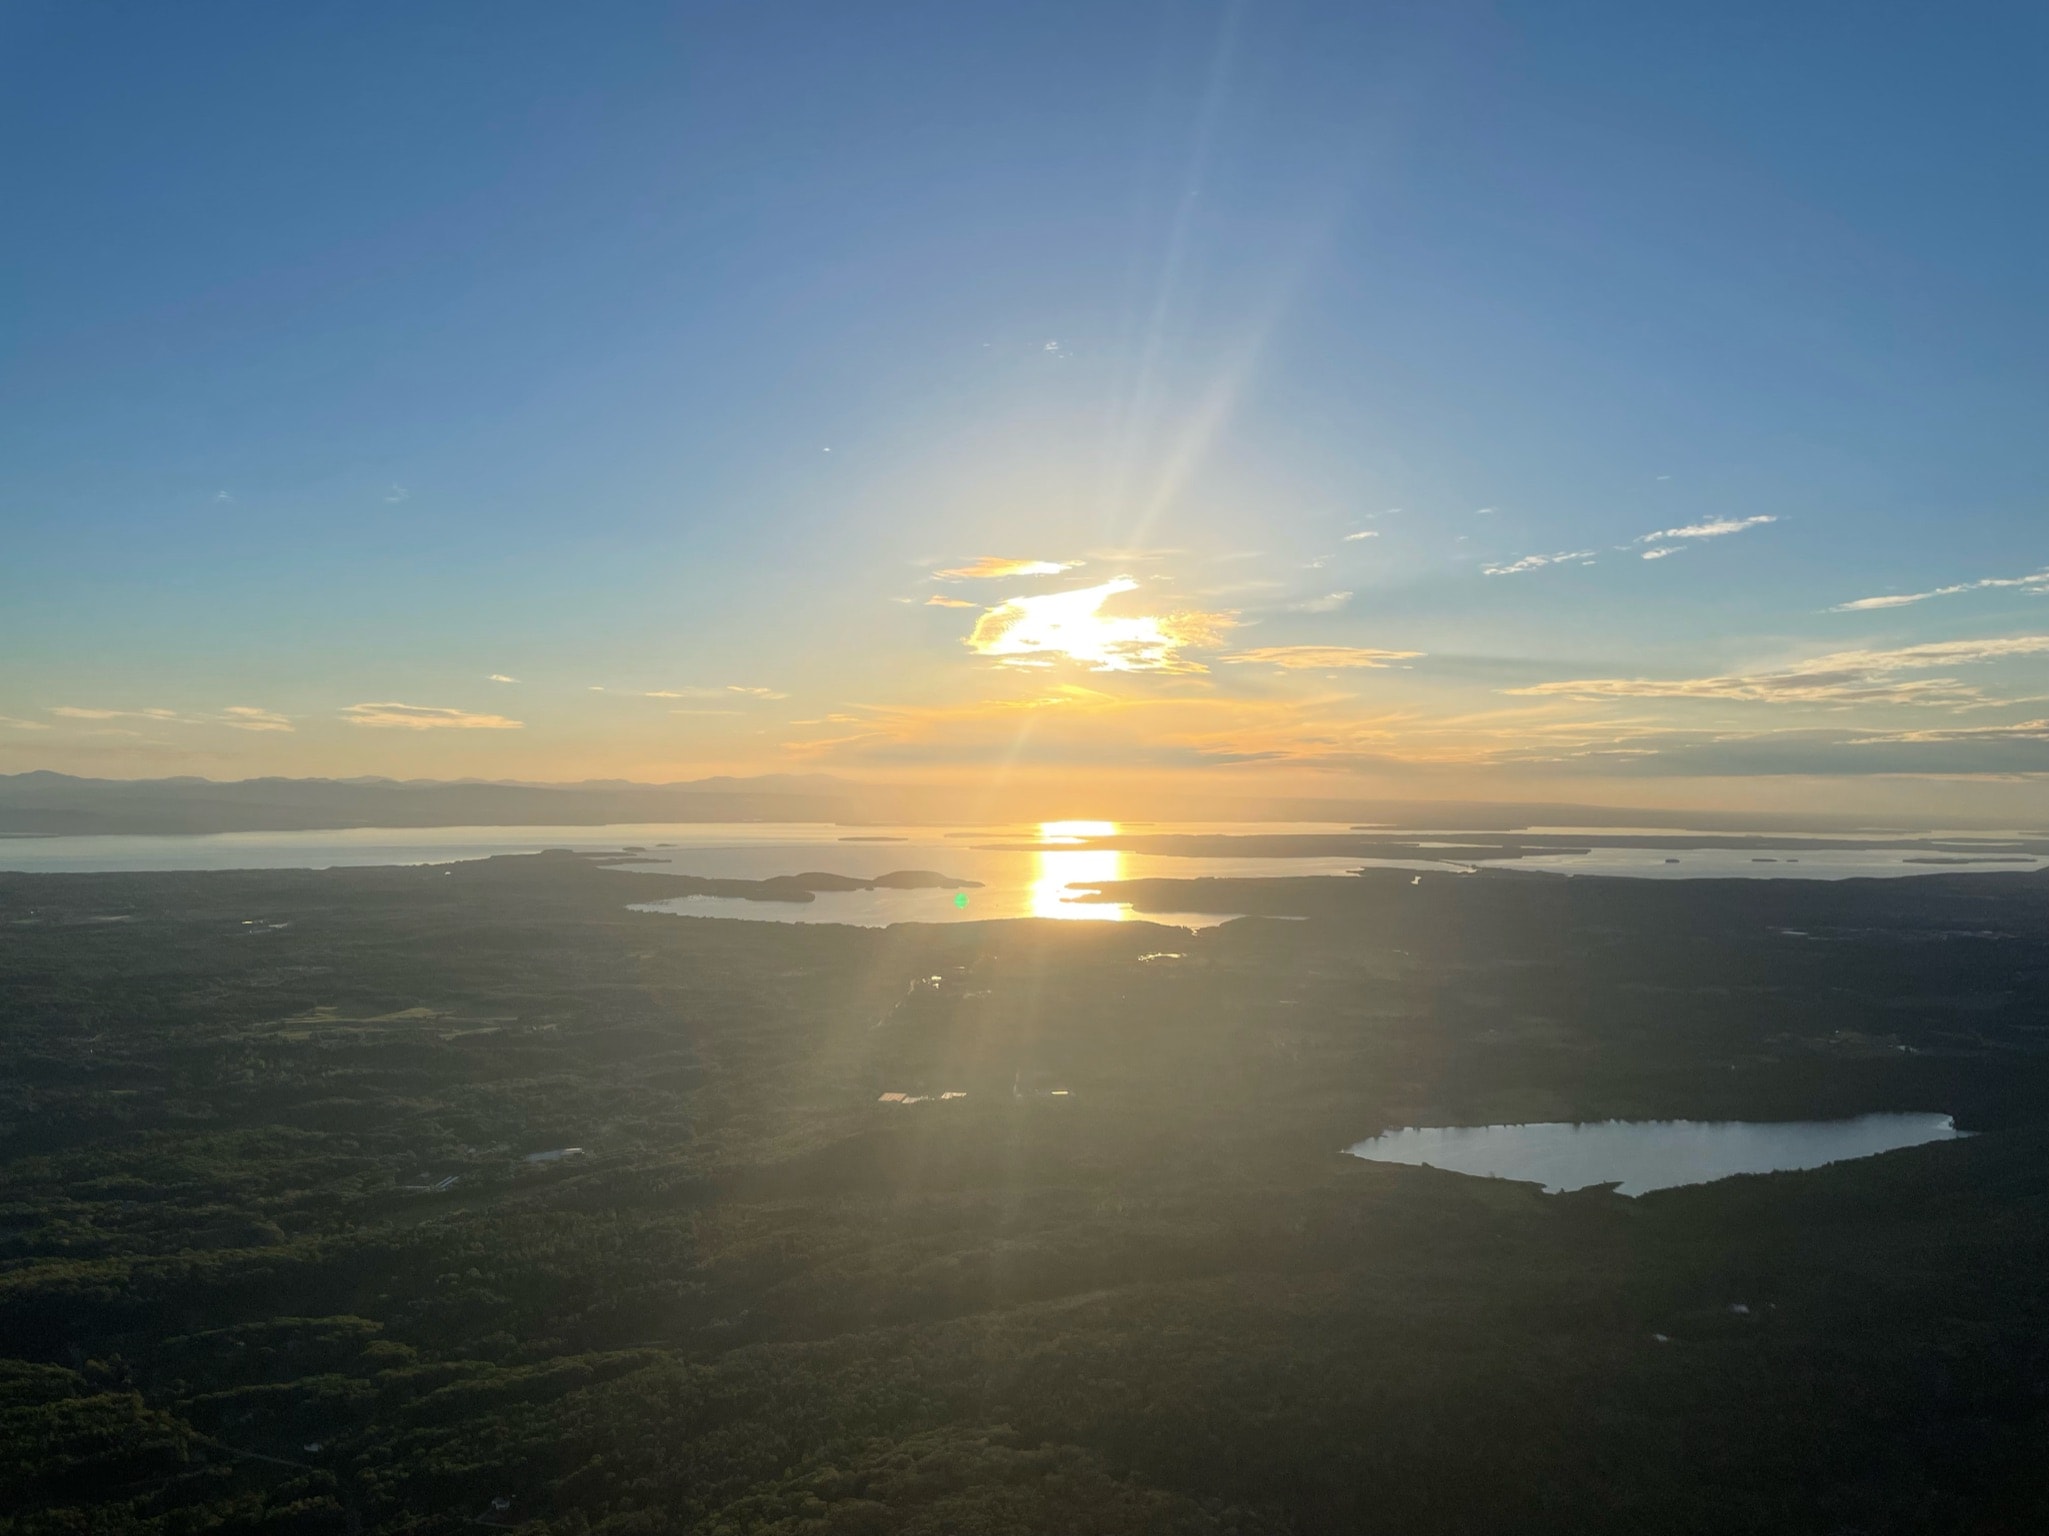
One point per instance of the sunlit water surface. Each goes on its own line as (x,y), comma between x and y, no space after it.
(1046,881)
(1043,881)
(1765,864)
(1641,1155)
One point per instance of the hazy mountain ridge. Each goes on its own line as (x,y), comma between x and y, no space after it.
(54,804)
(45,804)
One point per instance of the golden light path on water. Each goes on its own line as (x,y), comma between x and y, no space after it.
(1058,869)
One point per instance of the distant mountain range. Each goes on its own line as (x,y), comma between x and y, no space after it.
(45,804)
(55,804)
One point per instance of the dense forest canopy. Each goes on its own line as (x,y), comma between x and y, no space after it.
(280,1249)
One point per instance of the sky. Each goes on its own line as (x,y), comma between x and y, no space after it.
(1634,404)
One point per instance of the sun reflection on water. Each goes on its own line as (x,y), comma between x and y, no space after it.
(1058,869)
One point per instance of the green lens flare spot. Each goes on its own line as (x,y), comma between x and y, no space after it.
(960,898)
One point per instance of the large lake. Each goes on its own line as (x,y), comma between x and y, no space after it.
(1037,882)
(1641,1155)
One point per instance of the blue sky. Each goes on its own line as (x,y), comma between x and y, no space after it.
(657,357)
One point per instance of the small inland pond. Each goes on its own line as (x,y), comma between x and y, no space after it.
(1638,1156)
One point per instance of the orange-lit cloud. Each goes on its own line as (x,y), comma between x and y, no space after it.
(936,600)
(1069,726)
(425,717)
(1066,723)
(994,567)
(1068,730)
(1040,631)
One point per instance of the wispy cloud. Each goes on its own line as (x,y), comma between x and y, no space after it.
(241,717)
(973,729)
(83,712)
(940,600)
(2037,584)
(1257,585)
(1841,677)
(1538,562)
(1672,539)
(1363,533)
(1038,631)
(1323,727)
(699,692)
(394,494)
(1318,658)
(500,677)
(2021,730)
(247,717)
(1073,726)
(23,725)
(1330,602)
(425,717)
(1715,529)
(2000,750)
(995,567)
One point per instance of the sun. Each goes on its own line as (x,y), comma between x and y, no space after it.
(1038,631)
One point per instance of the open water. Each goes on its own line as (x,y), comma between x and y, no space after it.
(1641,1155)
(1040,882)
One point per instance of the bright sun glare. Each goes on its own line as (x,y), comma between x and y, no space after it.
(1037,631)
(1074,831)
(1060,869)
